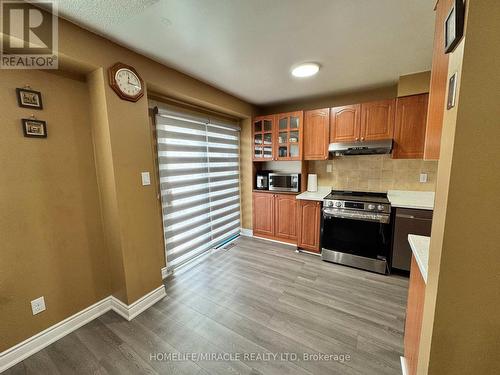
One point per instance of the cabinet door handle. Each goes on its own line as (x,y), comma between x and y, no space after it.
(404,216)
(362,138)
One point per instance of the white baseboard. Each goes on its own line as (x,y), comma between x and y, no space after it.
(30,346)
(129,312)
(246,232)
(404,367)
(308,252)
(249,233)
(276,241)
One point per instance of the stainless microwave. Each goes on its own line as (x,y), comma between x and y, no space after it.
(284,182)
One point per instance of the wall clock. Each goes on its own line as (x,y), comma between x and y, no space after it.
(126,82)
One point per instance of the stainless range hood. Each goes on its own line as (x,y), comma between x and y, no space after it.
(361,148)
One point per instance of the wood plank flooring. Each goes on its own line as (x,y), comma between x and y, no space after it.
(258,299)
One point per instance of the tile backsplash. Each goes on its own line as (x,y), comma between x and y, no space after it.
(375,173)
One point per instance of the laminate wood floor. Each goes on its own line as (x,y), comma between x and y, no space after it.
(267,306)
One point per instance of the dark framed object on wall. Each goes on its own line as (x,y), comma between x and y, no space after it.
(452,91)
(28,98)
(454,26)
(34,128)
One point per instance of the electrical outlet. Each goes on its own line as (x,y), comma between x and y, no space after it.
(423,177)
(38,305)
(329,168)
(146,179)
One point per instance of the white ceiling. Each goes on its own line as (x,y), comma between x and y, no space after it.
(247,47)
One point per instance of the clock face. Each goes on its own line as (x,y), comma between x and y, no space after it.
(128,82)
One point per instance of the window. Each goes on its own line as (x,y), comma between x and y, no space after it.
(198,161)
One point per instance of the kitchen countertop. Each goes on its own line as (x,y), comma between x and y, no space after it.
(275,192)
(319,195)
(421,200)
(420,248)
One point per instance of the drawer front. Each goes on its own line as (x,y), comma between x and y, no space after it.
(414,214)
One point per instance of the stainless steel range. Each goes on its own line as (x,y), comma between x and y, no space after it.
(355,230)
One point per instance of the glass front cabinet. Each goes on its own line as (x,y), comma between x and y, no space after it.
(263,138)
(289,136)
(278,137)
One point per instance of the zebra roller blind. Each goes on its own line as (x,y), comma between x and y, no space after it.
(198,160)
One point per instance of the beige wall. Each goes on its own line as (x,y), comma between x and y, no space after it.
(409,84)
(52,241)
(136,236)
(412,84)
(353,97)
(246,173)
(375,173)
(88,171)
(461,326)
(99,126)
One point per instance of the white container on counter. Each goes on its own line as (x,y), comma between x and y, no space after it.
(312,182)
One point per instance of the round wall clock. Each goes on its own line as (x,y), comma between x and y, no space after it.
(126,82)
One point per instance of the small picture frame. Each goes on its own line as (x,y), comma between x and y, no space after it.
(28,98)
(452,91)
(454,26)
(34,128)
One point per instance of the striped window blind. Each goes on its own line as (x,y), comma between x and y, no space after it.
(198,160)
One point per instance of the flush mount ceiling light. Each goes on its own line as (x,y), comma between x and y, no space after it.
(305,70)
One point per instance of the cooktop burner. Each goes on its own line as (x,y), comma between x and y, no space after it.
(360,196)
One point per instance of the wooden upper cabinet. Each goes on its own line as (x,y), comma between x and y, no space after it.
(263,138)
(316,134)
(377,120)
(345,123)
(285,216)
(289,137)
(308,225)
(437,92)
(409,130)
(263,214)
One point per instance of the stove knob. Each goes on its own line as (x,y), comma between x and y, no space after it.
(328,204)
(338,204)
(380,207)
(371,206)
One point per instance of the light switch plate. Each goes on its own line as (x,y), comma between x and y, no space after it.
(329,168)
(146,178)
(38,305)
(423,177)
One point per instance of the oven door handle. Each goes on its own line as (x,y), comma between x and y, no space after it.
(373,217)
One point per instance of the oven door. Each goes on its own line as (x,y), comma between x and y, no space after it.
(356,239)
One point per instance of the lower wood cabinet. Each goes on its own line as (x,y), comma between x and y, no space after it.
(275,216)
(285,215)
(414,315)
(263,214)
(308,223)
